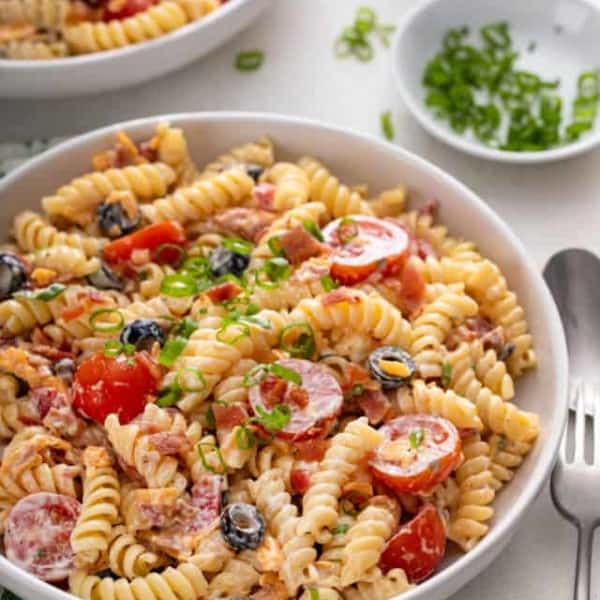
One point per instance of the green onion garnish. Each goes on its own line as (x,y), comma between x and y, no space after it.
(314,594)
(446,374)
(169,397)
(237,245)
(314,230)
(106,327)
(258,373)
(347,230)
(171,350)
(285,373)
(185,327)
(275,246)
(214,448)
(250,60)
(276,419)
(51,292)
(178,285)
(354,41)
(113,348)
(199,384)
(387,126)
(328,283)
(272,272)
(416,437)
(341,529)
(244,438)
(302,343)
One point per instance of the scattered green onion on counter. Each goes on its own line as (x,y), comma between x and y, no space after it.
(250,60)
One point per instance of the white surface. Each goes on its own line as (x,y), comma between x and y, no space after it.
(116,69)
(562,54)
(379,165)
(550,207)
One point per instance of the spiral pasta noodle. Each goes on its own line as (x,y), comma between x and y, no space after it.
(291,183)
(127,557)
(50,14)
(65,260)
(258,153)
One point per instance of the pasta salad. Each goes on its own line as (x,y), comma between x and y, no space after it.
(249,380)
(46,29)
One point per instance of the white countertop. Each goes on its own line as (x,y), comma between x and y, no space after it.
(550,207)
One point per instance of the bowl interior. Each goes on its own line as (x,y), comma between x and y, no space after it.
(360,159)
(556,39)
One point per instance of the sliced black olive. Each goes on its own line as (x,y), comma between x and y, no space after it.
(13,274)
(114,221)
(254,170)
(242,526)
(65,369)
(142,333)
(506,352)
(223,262)
(105,279)
(391,366)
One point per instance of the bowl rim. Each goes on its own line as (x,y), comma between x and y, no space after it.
(433,127)
(95,58)
(477,559)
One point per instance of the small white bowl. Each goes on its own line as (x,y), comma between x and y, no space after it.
(355,158)
(565,34)
(123,67)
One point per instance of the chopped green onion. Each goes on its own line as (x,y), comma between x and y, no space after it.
(354,41)
(496,35)
(314,230)
(275,270)
(365,20)
(237,245)
(314,594)
(185,327)
(416,438)
(285,373)
(205,462)
(328,283)
(210,418)
(303,344)
(169,397)
(347,230)
(341,529)
(105,327)
(357,389)
(387,126)
(51,292)
(178,285)
(113,348)
(446,374)
(276,419)
(171,350)
(275,246)
(244,438)
(197,373)
(226,324)
(159,258)
(250,60)
(255,375)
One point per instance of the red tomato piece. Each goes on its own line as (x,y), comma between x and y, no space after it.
(322,400)
(37,535)
(121,385)
(149,238)
(418,547)
(363,245)
(128,9)
(418,452)
(300,480)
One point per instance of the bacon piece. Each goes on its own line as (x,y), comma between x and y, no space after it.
(272,390)
(169,443)
(477,328)
(339,295)
(375,404)
(228,416)
(310,450)
(224,291)
(148,508)
(298,245)
(45,398)
(296,396)
(50,352)
(247,223)
(264,194)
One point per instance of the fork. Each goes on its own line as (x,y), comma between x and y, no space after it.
(575,485)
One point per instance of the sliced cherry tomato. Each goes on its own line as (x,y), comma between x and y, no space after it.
(418,547)
(128,9)
(149,238)
(418,452)
(314,405)
(363,245)
(121,385)
(37,534)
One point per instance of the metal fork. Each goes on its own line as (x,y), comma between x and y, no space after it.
(575,485)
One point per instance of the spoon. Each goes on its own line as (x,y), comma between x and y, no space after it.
(573,277)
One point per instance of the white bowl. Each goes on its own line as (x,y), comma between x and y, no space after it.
(566,36)
(355,158)
(123,67)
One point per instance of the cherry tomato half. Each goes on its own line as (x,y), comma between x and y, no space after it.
(128,9)
(149,238)
(418,547)
(363,245)
(418,452)
(121,385)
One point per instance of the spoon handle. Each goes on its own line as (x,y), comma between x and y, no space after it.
(585,534)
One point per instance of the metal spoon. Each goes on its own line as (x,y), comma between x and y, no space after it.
(574,280)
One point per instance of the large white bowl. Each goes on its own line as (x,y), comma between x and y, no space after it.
(355,158)
(123,67)
(565,34)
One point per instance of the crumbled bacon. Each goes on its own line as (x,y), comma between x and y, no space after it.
(296,396)
(247,223)
(264,194)
(272,390)
(228,416)
(50,352)
(475,328)
(168,443)
(339,295)
(375,404)
(309,271)
(224,291)
(311,450)
(300,480)
(298,245)
(45,398)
